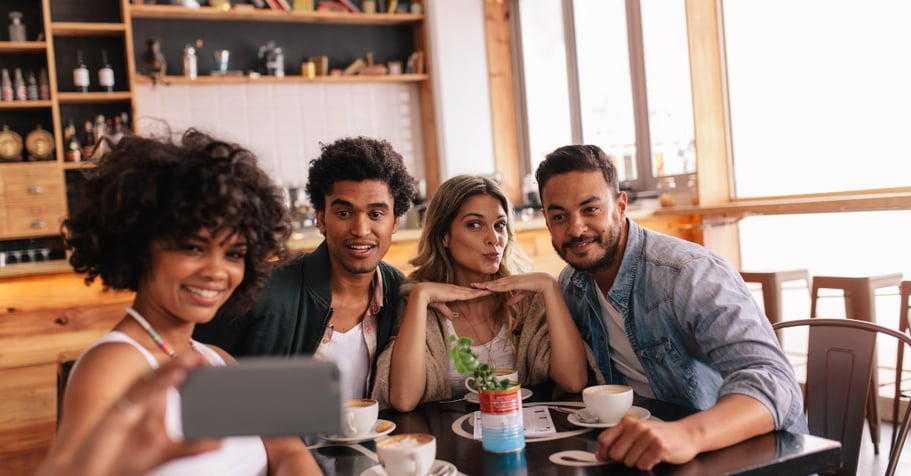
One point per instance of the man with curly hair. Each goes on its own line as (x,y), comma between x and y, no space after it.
(338,301)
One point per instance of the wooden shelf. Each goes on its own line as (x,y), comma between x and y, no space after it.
(26,104)
(23,46)
(78,165)
(387,78)
(172,12)
(38,267)
(832,203)
(87,29)
(93,97)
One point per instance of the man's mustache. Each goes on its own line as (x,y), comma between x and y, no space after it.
(580,239)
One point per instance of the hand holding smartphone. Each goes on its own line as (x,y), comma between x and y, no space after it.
(264,396)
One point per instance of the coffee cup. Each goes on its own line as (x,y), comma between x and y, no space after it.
(609,403)
(359,416)
(408,454)
(500,373)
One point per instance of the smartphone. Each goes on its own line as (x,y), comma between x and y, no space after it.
(265,396)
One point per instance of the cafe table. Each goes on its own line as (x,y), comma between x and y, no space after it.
(775,453)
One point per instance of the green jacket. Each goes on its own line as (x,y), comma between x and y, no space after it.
(291,314)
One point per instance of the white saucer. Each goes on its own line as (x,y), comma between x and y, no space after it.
(636,411)
(386,425)
(473,397)
(443,468)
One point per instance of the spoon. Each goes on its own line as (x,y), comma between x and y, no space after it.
(577,458)
(585,416)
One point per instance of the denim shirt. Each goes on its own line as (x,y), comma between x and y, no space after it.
(692,323)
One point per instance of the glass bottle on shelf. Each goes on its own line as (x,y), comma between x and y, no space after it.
(667,192)
(31,86)
(73,147)
(117,133)
(81,74)
(6,86)
(16,28)
(106,73)
(88,141)
(44,87)
(19,86)
(692,189)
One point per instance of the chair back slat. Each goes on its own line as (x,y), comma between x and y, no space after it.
(838,376)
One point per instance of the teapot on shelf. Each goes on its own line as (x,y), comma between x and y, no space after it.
(272,60)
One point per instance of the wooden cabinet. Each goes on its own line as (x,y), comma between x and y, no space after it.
(33,199)
(92,28)
(34,192)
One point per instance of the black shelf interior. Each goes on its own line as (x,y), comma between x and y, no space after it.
(65,50)
(341,43)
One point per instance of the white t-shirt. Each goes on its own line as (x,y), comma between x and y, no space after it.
(349,351)
(498,351)
(621,351)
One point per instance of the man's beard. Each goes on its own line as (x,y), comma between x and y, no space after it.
(605,261)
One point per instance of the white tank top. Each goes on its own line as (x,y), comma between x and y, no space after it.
(238,456)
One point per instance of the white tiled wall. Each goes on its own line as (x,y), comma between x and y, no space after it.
(285,123)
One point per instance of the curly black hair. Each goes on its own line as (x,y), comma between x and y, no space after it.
(151,189)
(358,159)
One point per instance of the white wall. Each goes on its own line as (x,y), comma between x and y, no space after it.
(461,89)
(284,123)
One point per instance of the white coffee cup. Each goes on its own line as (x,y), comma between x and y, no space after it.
(610,403)
(408,454)
(359,416)
(500,373)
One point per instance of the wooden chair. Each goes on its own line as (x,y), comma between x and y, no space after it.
(771,282)
(903,326)
(65,362)
(860,303)
(840,355)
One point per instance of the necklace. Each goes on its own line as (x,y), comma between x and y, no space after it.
(474,330)
(155,335)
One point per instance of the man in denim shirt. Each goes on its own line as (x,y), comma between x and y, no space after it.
(665,316)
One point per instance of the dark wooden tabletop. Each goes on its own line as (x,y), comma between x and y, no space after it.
(775,453)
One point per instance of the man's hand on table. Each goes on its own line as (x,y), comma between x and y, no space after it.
(643,444)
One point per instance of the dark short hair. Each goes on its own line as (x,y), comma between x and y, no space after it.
(576,158)
(359,159)
(146,190)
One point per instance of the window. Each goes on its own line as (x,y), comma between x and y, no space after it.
(612,73)
(821,99)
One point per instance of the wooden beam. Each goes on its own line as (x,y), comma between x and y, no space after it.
(498,35)
(703,20)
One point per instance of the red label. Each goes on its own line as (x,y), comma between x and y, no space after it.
(501,402)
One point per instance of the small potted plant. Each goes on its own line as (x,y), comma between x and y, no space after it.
(502,427)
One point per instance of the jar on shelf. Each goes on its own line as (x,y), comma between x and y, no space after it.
(692,189)
(667,192)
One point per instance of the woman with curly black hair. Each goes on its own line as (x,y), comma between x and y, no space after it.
(190,227)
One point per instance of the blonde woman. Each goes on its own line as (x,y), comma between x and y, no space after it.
(471,281)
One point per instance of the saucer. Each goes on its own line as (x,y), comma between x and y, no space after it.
(443,468)
(473,397)
(386,425)
(635,411)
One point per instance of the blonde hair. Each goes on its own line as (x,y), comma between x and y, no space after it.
(433,261)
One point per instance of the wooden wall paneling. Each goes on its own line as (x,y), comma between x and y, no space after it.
(54,291)
(504,116)
(432,173)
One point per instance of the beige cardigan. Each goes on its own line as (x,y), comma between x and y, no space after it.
(532,350)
